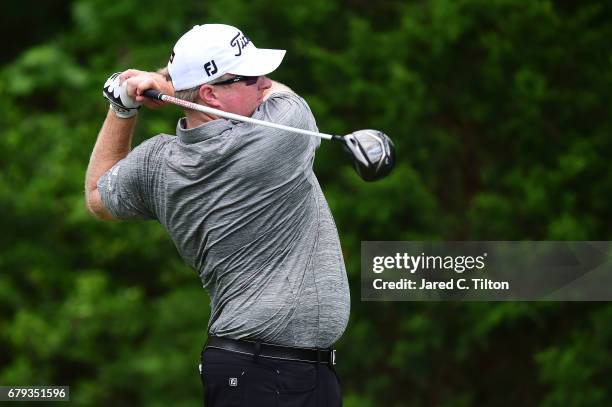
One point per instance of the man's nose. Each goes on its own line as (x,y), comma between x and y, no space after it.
(265,83)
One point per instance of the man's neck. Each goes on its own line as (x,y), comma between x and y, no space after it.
(195,119)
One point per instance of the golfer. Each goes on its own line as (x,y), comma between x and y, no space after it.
(244,208)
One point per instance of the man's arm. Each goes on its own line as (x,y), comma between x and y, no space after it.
(113,144)
(115,138)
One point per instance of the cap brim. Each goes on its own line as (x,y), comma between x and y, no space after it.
(259,62)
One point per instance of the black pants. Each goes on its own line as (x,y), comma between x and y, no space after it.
(235,380)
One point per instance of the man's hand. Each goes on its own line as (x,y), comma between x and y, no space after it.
(137,82)
(115,90)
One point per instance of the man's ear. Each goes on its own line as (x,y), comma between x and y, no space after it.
(208,94)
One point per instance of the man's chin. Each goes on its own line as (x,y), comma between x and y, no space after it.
(254,110)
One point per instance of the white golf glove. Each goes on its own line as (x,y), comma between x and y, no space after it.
(123,105)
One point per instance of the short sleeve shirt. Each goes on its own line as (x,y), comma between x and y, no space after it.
(245,210)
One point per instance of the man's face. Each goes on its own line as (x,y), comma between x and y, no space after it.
(242,98)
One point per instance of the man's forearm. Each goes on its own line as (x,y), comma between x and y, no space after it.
(113,144)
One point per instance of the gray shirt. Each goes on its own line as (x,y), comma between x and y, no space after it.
(244,209)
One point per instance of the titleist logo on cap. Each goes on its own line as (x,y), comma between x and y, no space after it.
(239,41)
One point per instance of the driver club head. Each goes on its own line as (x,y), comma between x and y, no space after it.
(373,153)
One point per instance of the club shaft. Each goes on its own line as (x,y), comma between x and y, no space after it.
(205,109)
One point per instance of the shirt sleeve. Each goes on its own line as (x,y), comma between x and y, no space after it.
(128,188)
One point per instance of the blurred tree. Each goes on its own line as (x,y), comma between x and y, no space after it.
(30,25)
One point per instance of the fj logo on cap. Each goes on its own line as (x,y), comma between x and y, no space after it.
(233,381)
(239,41)
(210,68)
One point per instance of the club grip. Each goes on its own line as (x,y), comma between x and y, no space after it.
(153,94)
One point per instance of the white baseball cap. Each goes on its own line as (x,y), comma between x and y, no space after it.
(209,51)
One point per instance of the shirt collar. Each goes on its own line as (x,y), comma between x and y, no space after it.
(203,131)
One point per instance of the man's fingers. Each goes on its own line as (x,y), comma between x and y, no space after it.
(144,85)
(131,86)
(129,74)
(136,86)
(152,104)
(136,82)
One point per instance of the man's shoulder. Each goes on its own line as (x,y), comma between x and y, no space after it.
(159,140)
(286,108)
(154,145)
(287,97)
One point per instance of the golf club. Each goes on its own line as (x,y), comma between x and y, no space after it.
(372,151)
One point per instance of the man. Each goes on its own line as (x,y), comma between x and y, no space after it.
(245,210)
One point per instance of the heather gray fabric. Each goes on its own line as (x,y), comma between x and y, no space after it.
(245,210)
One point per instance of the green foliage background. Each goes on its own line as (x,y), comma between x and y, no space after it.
(500,112)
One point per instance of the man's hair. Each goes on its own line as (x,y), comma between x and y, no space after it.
(191,94)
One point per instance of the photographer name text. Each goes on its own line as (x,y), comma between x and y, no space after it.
(452,284)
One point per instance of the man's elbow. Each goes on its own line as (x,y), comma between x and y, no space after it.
(94,205)
(98,214)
